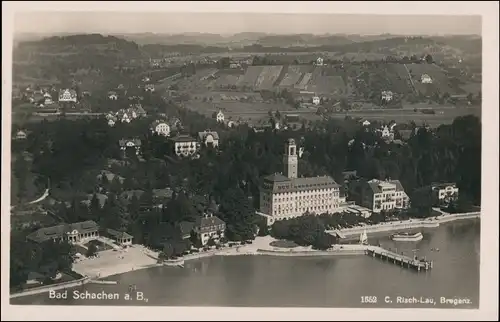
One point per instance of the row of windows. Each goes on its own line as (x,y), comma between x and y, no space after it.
(279,212)
(313,202)
(386,195)
(314,197)
(301,193)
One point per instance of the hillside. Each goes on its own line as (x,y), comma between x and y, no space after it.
(59,59)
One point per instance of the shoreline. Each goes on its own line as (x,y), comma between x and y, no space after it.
(432,222)
(261,246)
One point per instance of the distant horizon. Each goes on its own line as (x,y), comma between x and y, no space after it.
(163,23)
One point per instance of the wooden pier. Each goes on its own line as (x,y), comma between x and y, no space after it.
(399,259)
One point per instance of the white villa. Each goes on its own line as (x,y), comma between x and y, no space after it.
(130,143)
(112,96)
(445,192)
(319,61)
(426,79)
(220,117)
(387,96)
(67,95)
(210,227)
(209,138)
(384,195)
(316,100)
(160,128)
(185,145)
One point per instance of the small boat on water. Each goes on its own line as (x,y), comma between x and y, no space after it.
(410,237)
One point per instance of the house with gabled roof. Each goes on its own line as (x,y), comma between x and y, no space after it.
(209,227)
(120,237)
(209,138)
(67,95)
(160,127)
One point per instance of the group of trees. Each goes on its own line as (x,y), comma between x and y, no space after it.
(47,259)
(304,231)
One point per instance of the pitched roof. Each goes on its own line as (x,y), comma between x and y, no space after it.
(442,185)
(118,234)
(44,234)
(163,193)
(376,185)
(184,138)
(204,223)
(277,177)
(204,134)
(136,142)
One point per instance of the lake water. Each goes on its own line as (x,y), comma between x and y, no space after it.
(339,281)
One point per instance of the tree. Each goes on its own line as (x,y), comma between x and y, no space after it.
(422,200)
(168,250)
(238,215)
(428,58)
(210,242)
(277,114)
(91,250)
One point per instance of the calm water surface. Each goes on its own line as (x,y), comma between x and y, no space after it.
(308,281)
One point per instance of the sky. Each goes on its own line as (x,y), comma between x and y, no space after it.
(230,23)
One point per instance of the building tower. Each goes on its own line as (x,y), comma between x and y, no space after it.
(290,159)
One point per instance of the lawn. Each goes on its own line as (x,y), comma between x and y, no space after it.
(100,245)
(283,244)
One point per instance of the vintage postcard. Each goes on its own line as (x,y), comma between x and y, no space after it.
(245,160)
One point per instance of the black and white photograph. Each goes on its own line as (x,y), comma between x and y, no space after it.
(250,159)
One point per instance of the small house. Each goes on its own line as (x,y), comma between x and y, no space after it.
(112,96)
(120,237)
(387,96)
(425,79)
(209,138)
(161,128)
(67,95)
(220,117)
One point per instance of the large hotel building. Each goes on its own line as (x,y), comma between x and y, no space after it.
(287,196)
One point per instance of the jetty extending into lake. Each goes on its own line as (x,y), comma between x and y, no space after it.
(399,259)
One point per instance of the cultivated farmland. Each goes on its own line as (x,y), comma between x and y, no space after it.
(440,81)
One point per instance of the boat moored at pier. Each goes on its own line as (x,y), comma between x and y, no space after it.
(409,237)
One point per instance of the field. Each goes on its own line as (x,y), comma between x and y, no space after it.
(440,81)
(251,75)
(473,88)
(253,113)
(268,77)
(442,116)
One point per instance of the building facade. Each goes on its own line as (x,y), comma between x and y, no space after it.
(209,138)
(220,117)
(160,128)
(210,227)
(384,195)
(444,193)
(288,196)
(67,95)
(73,233)
(120,237)
(425,79)
(185,145)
